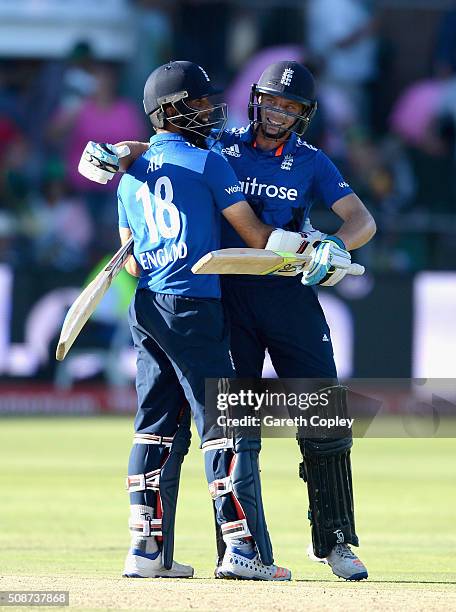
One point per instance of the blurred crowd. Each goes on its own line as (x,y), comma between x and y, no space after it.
(395,145)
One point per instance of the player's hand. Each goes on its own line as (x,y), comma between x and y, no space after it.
(282,241)
(100,161)
(330,262)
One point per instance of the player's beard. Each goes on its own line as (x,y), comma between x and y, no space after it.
(196,139)
(277,136)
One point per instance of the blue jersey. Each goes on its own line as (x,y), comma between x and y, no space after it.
(171,199)
(280,185)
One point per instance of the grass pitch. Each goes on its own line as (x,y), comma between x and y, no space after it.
(64,509)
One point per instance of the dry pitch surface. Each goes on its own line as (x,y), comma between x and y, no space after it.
(63,516)
(199,595)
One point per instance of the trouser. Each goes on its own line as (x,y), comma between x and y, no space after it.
(179,343)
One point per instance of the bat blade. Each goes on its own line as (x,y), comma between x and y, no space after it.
(88,300)
(249,261)
(260,262)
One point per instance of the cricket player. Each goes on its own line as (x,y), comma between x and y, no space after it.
(282,177)
(172,200)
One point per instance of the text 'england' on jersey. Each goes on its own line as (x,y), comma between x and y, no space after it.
(281,185)
(171,199)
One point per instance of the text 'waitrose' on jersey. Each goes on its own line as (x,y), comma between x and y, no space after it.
(252,187)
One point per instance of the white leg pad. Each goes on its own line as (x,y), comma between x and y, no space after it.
(220,487)
(141,482)
(146,527)
(235,530)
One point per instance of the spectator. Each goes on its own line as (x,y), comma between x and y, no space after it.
(154,37)
(104,117)
(78,82)
(58,224)
(445,48)
(15,178)
(341,34)
(415,110)
(422,120)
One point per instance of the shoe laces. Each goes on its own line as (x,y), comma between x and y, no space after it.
(344,551)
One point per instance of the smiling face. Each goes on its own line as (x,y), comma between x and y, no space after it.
(205,106)
(278,115)
(198,116)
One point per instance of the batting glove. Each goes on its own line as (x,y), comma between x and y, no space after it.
(330,260)
(100,161)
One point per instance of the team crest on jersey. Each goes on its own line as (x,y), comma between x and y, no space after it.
(155,163)
(287,162)
(233,151)
(287,75)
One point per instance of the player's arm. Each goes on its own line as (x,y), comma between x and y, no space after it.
(358,225)
(335,193)
(331,257)
(136,150)
(252,231)
(131,265)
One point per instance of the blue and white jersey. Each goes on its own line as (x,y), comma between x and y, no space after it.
(280,185)
(171,199)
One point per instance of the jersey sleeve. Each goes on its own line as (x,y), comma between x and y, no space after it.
(123,220)
(222,181)
(328,183)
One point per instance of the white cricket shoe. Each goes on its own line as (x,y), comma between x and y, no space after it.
(143,565)
(343,562)
(242,565)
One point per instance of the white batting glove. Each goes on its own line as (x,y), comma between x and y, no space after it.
(334,276)
(100,161)
(328,258)
(283,241)
(294,242)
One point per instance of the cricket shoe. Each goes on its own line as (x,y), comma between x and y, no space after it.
(242,565)
(343,562)
(149,565)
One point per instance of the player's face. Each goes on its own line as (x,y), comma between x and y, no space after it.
(205,107)
(199,116)
(277,114)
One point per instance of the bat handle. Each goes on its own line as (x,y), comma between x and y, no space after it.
(356,269)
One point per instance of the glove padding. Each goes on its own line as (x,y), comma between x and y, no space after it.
(100,161)
(283,241)
(330,261)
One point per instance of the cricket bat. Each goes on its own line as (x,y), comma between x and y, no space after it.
(85,304)
(256,261)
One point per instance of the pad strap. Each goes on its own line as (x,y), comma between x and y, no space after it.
(235,529)
(141,482)
(146,527)
(220,487)
(153,439)
(216,444)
